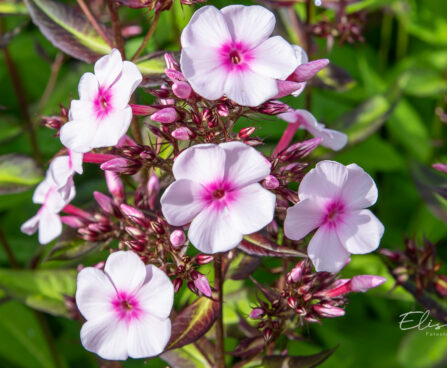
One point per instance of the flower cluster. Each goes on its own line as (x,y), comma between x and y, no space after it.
(195,173)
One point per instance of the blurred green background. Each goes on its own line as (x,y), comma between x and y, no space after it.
(387,93)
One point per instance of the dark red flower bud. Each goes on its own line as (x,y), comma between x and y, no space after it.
(202,259)
(178,282)
(245,133)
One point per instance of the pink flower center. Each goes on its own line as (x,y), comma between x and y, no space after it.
(102,103)
(235,56)
(126,307)
(219,194)
(334,213)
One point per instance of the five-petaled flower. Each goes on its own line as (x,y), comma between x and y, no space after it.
(333,198)
(330,138)
(229,52)
(102,114)
(127,308)
(217,189)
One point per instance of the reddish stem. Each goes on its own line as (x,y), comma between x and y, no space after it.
(75,211)
(93,21)
(97,158)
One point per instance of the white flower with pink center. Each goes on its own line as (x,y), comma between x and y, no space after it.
(53,199)
(229,52)
(330,138)
(217,189)
(333,198)
(102,114)
(127,308)
(63,168)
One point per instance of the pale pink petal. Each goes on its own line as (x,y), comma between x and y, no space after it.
(332,139)
(81,110)
(362,283)
(148,336)
(50,226)
(249,24)
(286,88)
(360,232)
(290,116)
(42,189)
(326,180)
(326,251)
(126,270)
(274,58)
(62,196)
(76,161)
(243,164)
(94,293)
(88,87)
(125,85)
(302,218)
(156,296)
(77,135)
(202,163)
(300,54)
(108,68)
(198,66)
(112,128)
(248,88)
(306,71)
(106,337)
(253,208)
(31,226)
(213,231)
(360,190)
(60,170)
(181,202)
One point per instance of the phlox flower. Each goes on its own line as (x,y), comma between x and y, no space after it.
(217,189)
(126,306)
(53,199)
(333,198)
(62,169)
(229,52)
(102,114)
(330,138)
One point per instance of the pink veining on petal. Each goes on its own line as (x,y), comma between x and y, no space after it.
(102,103)
(235,56)
(219,194)
(334,213)
(126,307)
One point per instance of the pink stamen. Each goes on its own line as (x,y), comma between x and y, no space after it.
(235,56)
(102,103)
(219,194)
(126,306)
(334,213)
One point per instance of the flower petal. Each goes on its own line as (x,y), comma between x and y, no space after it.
(125,85)
(156,296)
(326,251)
(243,164)
(290,116)
(361,232)
(112,128)
(302,218)
(332,139)
(180,202)
(81,110)
(76,160)
(253,209)
(50,226)
(77,135)
(249,24)
(274,58)
(148,336)
(360,190)
(108,68)
(248,88)
(106,337)
(202,163)
(126,270)
(60,170)
(94,293)
(212,231)
(42,189)
(88,87)
(326,180)
(31,226)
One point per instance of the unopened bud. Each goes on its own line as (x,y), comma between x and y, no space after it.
(273,108)
(134,232)
(105,202)
(270,182)
(202,259)
(183,134)
(72,221)
(157,227)
(178,282)
(166,115)
(441,285)
(174,75)
(192,287)
(300,150)
(292,302)
(115,186)
(182,90)
(171,63)
(245,133)
(202,284)
(143,110)
(327,310)
(122,166)
(267,334)
(222,110)
(177,238)
(296,273)
(256,313)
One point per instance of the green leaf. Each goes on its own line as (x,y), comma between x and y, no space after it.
(68,29)
(418,350)
(249,347)
(43,290)
(185,357)
(258,245)
(23,343)
(10,7)
(70,247)
(307,361)
(153,68)
(335,78)
(18,173)
(243,265)
(423,82)
(193,321)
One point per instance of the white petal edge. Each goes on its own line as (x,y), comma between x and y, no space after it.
(360,190)
(302,218)
(126,270)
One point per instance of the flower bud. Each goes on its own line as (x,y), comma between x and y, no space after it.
(362,283)
(327,310)
(245,133)
(121,165)
(295,274)
(177,284)
(441,285)
(143,110)
(202,284)
(134,232)
(105,202)
(270,182)
(256,313)
(177,238)
(166,115)
(182,134)
(136,215)
(115,186)
(72,221)
(292,302)
(182,90)
(273,108)
(267,334)
(192,287)
(171,63)
(202,259)
(300,150)
(157,227)
(174,75)
(222,110)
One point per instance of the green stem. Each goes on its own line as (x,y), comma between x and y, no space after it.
(218,283)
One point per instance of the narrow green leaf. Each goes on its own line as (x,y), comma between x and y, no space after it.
(258,245)
(12,7)
(18,173)
(185,357)
(43,290)
(68,29)
(335,78)
(70,247)
(305,361)
(193,321)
